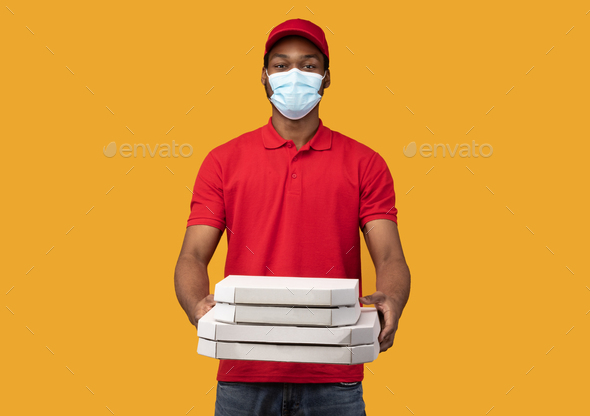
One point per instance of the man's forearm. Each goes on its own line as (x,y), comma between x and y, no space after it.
(191,283)
(393,279)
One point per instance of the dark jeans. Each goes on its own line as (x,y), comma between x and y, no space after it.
(289,399)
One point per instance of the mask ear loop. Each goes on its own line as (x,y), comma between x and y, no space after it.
(268,78)
(325,72)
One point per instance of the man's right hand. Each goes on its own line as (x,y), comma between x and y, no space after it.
(201,308)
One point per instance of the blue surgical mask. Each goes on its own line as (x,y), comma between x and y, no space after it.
(295,93)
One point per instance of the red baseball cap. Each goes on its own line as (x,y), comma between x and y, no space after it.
(299,27)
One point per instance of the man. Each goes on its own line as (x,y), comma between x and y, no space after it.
(293,195)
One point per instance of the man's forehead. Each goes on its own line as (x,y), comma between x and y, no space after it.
(295,55)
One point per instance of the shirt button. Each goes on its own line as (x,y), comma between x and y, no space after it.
(294,175)
(295,158)
(288,144)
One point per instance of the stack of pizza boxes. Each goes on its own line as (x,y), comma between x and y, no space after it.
(290,319)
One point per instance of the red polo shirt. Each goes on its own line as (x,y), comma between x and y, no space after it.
(292,213)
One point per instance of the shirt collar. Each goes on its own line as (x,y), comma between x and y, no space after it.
(322,139)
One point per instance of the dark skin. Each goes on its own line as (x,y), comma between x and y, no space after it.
(381,235)
(288,53)
(393,277)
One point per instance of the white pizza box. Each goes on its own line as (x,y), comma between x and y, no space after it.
(325,354)
(281,290)
(364,331)
(287,315)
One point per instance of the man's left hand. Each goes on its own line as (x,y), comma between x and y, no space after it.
(386,308)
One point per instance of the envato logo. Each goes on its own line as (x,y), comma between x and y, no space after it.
(165,150)
(464,150)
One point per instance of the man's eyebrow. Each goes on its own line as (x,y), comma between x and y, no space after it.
(282,55)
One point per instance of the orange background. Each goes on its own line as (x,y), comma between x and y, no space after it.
(497,321)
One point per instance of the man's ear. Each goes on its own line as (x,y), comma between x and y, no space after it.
(263,77)
(325,83)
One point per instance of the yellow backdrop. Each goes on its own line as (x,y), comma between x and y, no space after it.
(497,322)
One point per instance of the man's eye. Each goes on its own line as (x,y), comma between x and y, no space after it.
(312,66)
(279,65)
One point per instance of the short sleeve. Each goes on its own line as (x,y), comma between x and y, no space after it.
(377,196)
(207,203)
